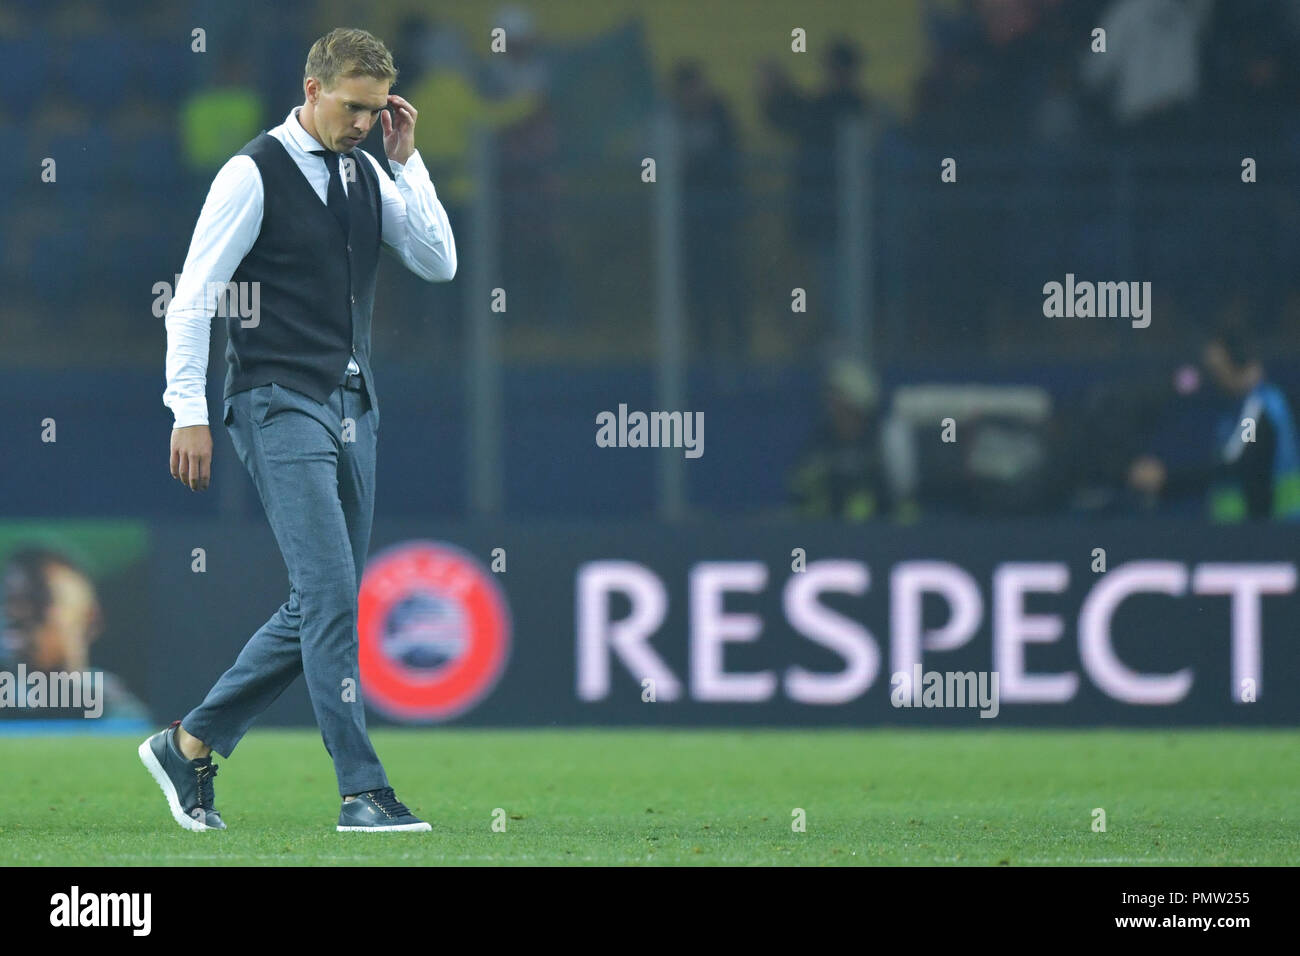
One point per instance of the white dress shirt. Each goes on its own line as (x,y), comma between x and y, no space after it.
(415,229)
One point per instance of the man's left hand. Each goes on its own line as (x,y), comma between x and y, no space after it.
(399,129)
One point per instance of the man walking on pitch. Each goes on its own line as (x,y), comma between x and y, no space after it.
(296,220)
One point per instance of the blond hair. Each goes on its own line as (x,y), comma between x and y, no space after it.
(346,52)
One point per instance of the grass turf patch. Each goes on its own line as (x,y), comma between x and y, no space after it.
(646,797)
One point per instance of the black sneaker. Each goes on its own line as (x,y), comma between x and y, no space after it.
(187,784)
(378,811)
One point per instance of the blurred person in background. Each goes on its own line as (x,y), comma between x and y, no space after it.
(51,617)
(1057,118)
(450,74)
(218,120)
(814,121)
(842,472)
(1150,74)
(1255,471)
(532,190)
(712,207)
(956,93)
(415,33)
(1103,431)
(1252,69)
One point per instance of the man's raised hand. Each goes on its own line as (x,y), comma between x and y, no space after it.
(399,129)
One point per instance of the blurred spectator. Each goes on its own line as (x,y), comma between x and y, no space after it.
(218,121)
(411,54)
(1254,476)
(1023,40)
(1003,70)
(1250,58)
(529,168)
(524,67)
(712,206)
(51,617)
(964,92)
(1103,432)
(842,473)
(1058,118)
(1054,96)
(1150,73)
(1006,21)
(450,88)
(448,91)
(815,121)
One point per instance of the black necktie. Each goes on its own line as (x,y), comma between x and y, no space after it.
(334,198)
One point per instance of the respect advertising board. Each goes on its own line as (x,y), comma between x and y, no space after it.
(982,624)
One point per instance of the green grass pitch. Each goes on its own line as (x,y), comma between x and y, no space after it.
(653,797)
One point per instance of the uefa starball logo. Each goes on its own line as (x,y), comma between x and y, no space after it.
(434,631)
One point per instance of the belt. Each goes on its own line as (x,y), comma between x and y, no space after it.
(352,381)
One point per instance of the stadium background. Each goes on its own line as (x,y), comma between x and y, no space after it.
(677,295)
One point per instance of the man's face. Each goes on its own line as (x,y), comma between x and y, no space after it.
(345,113)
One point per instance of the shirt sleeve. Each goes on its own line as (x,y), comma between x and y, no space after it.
(227,227)
(415,226)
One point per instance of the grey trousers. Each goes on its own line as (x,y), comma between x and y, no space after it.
(316,478)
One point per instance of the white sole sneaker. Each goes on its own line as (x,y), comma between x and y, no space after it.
(403,828)
(168,788)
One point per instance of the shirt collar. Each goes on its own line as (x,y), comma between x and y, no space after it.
(301,138)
